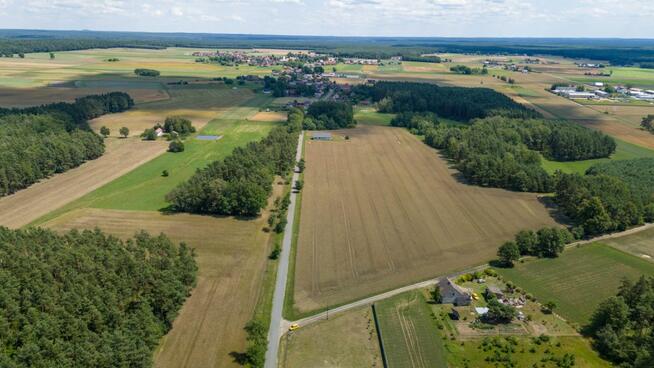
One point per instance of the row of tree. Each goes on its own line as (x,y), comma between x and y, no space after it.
(143,72)
(463,69)
(241,183)
(506,153)
(82,110)
(457,103)
(86,299)
(546,242)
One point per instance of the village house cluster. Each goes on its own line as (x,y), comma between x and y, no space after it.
(599,90)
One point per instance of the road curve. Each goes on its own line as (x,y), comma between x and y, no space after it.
(275,331)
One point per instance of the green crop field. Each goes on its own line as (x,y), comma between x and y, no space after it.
(145,188)
(640,244)
(579,279)
(624,151)
(369,116)
(637,77)
(409,333)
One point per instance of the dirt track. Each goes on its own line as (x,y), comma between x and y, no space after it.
(381,210)
(121,156)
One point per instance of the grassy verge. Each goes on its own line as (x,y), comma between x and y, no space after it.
(289,311)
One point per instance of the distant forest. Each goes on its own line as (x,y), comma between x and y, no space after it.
(37,142)
(86,299)
(615,51)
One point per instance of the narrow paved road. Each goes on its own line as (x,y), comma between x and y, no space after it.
(275,332)
(367,301)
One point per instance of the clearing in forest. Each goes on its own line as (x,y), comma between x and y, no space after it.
(382,210)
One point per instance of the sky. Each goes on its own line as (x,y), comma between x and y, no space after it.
(437,18)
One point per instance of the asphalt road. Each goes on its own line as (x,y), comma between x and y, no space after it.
(276,320)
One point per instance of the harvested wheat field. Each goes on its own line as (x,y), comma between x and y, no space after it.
(382,210)
(231,256)
(121,156)
(270,116)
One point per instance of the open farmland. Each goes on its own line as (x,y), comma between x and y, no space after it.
(231,256)
(345,340)
(121,156)
(579,279)
(640,244)
(381,210)
(198,103)
(145,188)
(409,333)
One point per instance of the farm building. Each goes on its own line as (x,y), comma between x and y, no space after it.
(321,136)
(452,293)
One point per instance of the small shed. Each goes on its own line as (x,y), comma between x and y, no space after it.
(481,310)
(321,136)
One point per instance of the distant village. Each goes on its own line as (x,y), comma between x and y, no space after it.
(600,90)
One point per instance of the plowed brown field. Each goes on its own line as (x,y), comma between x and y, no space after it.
(382,210)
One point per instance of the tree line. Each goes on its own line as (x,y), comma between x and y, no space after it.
(82,110)
(506,153)
(457,103)
(463,69)
(87,299)
(37,142)
(547,242)
(241,183)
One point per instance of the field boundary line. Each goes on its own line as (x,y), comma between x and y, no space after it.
(379,336)
(371,300)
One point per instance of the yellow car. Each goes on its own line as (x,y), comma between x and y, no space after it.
(294,327)
(475,296)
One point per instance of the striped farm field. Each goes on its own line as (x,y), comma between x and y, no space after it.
(382,210)
(408,332)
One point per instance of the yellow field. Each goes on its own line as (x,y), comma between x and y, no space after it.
(270,116)
(382,210)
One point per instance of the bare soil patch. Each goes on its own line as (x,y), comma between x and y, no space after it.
(382,210)
(121,156)
(270,116)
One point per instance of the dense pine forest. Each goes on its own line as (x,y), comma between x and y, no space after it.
(37,142)
(457,103)
(86,299)
(329,115)
(240,184)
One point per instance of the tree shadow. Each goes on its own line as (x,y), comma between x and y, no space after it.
(239,358)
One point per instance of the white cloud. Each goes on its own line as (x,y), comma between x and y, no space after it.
(600,18)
